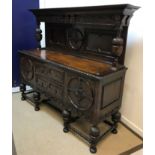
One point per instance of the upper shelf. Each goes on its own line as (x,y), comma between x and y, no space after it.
(127,9)
(110,15)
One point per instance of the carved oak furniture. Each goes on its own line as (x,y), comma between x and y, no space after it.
(81,70)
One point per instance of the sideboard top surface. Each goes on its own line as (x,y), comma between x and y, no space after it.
(75,62)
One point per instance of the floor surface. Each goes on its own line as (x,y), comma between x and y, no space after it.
(41,133)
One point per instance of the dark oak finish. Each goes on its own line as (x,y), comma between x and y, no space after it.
(81,70)
(75,62)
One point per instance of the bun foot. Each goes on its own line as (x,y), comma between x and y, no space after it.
(93,149)
(65,130)
(36,108)
(114,131)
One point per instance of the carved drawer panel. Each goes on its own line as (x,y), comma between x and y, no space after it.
(50,72)
(56,91)
(56,74)
(41,82)
(52,89)
(41,69)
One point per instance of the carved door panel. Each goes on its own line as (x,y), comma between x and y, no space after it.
(79,93)
(27,69)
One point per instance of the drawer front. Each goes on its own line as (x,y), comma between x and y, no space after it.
(56,74)
(42,76)
(49,87)
(56,91)
(50,72)
(49,80)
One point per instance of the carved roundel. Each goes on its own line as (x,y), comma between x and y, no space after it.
(80,94)
(75,38)
(27,69)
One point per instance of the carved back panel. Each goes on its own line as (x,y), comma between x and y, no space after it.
(98,31)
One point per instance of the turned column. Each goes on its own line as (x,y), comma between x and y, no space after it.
(38,34)
(94,134)
(66,117)
(36,97)
(116,118)
(23,89)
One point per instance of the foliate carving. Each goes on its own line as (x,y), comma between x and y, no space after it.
(50,72)
(41,82)
(56,91)
(57,75)
(53,90)
(27,69)
(80,93)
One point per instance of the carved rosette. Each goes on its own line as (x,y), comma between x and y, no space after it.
(27,69)
(80,94)
(75,38)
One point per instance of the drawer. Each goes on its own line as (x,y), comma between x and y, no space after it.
(56,91)
(56,74)
(51,88)
(49,72)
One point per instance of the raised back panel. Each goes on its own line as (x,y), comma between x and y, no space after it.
(111,93)
(100,31)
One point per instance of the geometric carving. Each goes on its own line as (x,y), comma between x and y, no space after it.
(27,69)
(80,93)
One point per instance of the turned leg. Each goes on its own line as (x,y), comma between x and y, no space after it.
(116,118)
(22,89)
(36,97)
(94,134)
(66,117)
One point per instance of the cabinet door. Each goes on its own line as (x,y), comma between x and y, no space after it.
(27,70)
(79,92)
